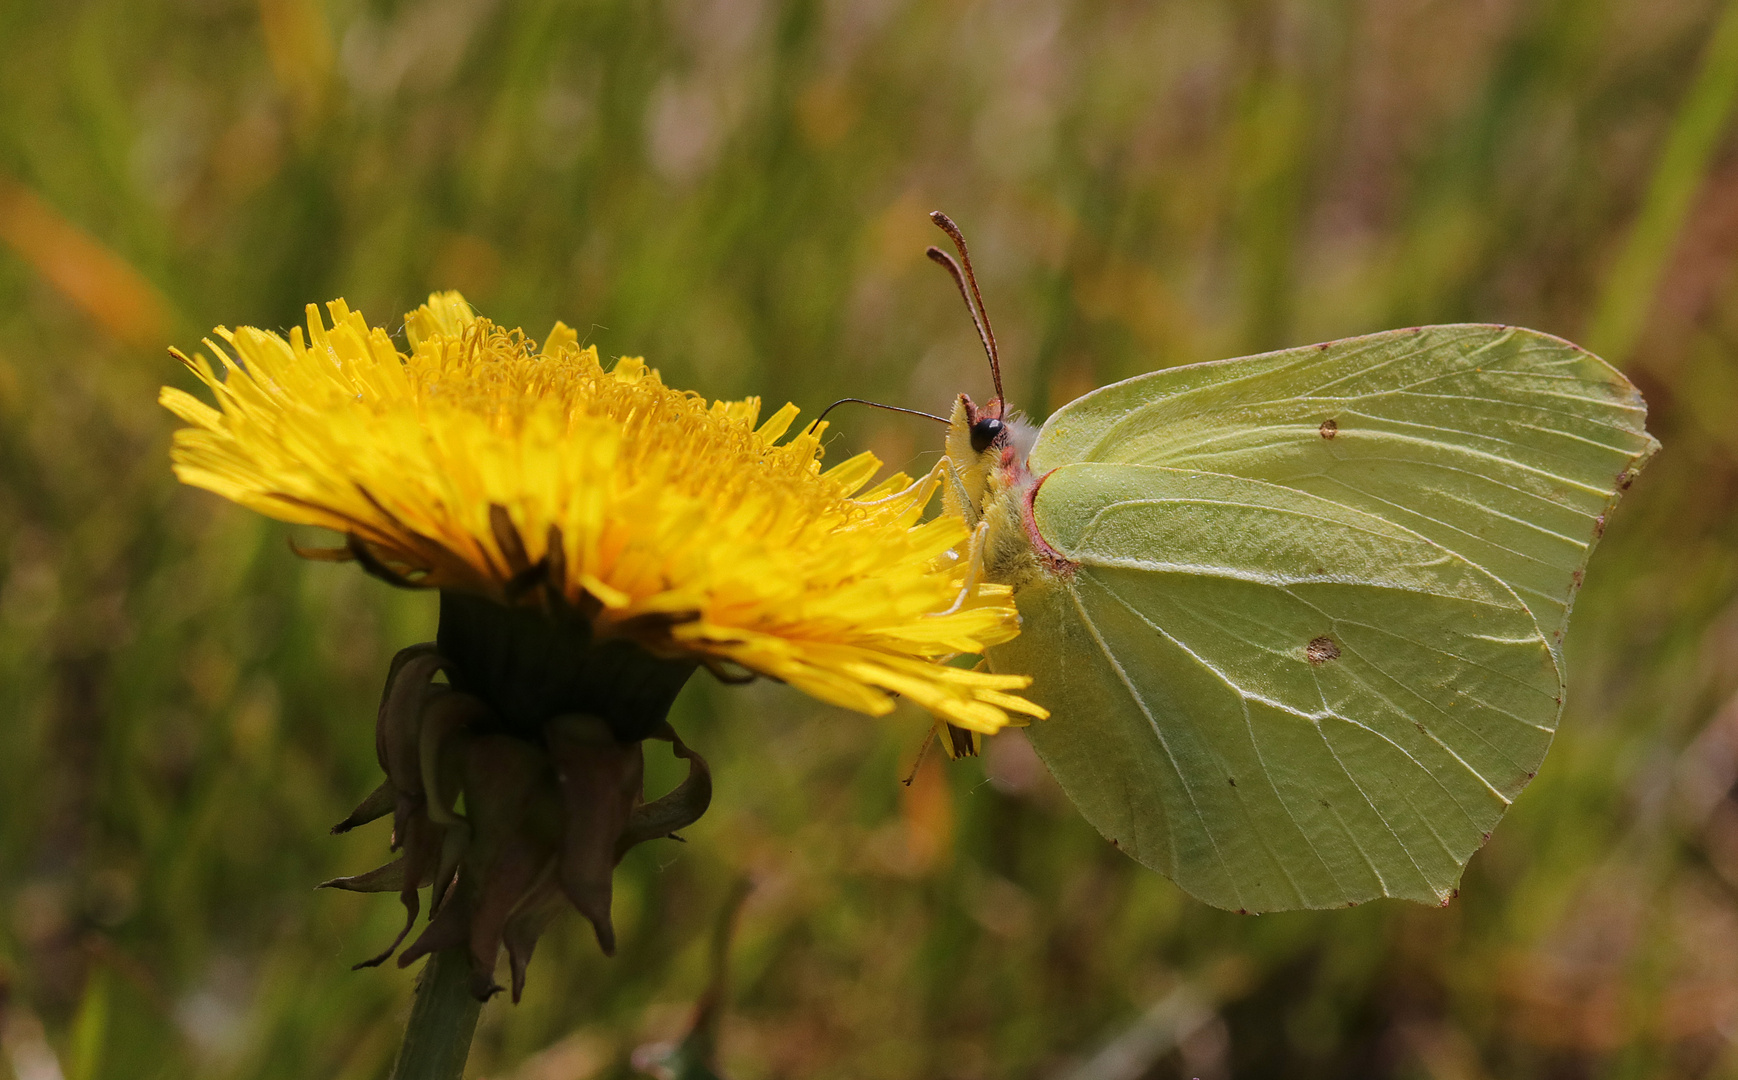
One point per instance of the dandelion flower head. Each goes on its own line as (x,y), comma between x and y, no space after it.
(481,462)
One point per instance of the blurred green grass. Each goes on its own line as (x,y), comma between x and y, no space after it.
(736,189)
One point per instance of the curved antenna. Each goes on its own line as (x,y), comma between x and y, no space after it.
(946,262)
(980,314)
(876,405)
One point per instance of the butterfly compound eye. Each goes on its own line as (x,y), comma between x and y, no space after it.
(984,433)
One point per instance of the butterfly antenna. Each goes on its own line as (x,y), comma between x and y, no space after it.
(876,405)
(980,314)
(946,262)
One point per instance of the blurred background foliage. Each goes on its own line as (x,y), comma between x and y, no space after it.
(736,189)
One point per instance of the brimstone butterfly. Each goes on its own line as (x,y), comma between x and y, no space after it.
(1298,617)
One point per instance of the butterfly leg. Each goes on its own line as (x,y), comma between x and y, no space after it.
(922,752)
(959,501)
(919,491)
(974,567)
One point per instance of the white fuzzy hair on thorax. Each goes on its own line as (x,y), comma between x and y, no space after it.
(1022,434)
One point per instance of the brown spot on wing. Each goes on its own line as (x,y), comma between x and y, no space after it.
(1321,650)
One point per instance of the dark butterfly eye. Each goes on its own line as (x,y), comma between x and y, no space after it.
(984,433)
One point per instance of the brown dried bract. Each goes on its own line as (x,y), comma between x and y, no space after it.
(546,819)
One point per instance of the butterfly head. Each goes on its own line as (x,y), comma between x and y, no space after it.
(987,446)
(986,431)
(990,429)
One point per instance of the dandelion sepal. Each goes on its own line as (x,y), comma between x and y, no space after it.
(550,801)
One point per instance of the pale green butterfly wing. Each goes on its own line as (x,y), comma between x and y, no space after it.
(1300,684)
(1274,700)
(1505,445)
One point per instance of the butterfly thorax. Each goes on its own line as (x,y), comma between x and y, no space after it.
(994,487)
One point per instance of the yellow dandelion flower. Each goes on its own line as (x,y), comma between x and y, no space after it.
(522,476)
(595,536)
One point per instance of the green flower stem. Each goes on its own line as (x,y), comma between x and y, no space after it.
(442,1019)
